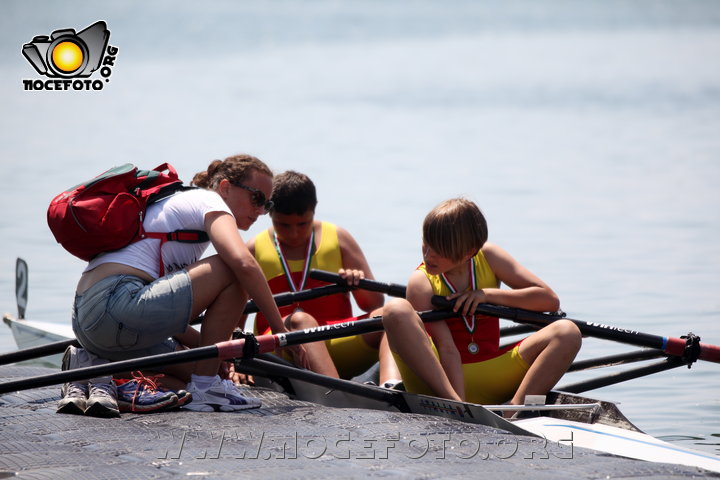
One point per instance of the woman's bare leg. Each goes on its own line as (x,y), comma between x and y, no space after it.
(215,292)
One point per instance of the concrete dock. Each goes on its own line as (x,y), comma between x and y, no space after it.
(283,439)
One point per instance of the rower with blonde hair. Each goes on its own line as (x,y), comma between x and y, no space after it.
(460,358)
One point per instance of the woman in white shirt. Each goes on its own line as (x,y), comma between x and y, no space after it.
(125,309)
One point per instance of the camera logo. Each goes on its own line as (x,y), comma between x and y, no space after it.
(68,56)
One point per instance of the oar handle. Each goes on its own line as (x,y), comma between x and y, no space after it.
(392,289)
(689,348)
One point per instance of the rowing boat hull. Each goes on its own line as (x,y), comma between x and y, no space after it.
(33,333)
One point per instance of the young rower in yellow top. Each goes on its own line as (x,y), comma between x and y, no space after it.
(460,359)
(297,243)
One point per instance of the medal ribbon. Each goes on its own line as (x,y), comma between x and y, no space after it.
(469,324)
(286,267)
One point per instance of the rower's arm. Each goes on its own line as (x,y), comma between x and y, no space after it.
(242,321)
(231,248)
(527,290)
(353,258)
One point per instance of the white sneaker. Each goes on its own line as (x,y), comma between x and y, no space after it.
(393,384)
(222,396)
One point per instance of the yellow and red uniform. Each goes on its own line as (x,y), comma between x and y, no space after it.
(352,355)
(492,374)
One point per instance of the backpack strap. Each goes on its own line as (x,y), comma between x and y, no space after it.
(155,195)
(182,236)
(187,236)
(168,191)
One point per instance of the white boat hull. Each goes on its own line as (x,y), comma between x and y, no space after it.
(617,441)
(32,333)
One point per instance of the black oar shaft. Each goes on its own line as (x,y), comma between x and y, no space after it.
(618,359)
(669,345)
(37,352)
(592,384)
(288,298)
(111,368)
(597,330)
(517,330)
(392,289)
(346,329)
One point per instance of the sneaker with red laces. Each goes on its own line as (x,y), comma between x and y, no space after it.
(143,395)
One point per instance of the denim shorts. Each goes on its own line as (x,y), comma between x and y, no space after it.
(123,316)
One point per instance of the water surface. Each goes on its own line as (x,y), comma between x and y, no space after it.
(586,131)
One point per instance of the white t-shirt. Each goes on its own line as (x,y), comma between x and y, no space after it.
(182,211)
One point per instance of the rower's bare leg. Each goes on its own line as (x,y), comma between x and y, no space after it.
(407,337)
(549,352)
(378,340)
(220,320)
(389,371)
(317,355)
(174,377)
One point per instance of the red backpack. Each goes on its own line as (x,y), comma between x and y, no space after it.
(106,213)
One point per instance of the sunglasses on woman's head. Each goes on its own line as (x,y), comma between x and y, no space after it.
(257,197)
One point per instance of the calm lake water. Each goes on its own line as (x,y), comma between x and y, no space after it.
(586,131)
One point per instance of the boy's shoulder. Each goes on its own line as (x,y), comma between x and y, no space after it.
(419,280)
(264,235)
(491,250)
(419,290)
